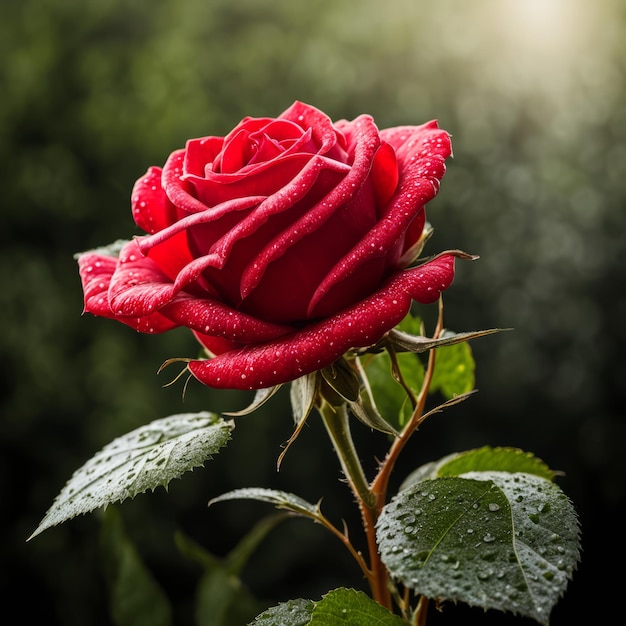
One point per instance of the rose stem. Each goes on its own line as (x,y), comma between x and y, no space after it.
(381,481)
(337,425)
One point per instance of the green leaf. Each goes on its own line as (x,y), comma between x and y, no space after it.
(221,598)
(390,397)
(491,539)
(136,598)
(494,459)
(352,608)
(340,606)
(143,459)
(499,459)
(291,613)
(280,499)
(454,370)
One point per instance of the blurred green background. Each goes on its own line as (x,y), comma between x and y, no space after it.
(534,95)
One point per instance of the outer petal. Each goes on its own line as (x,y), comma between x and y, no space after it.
(152,211)
(210,317)
(319,345)
(138,286)
(96,272)
(420,172)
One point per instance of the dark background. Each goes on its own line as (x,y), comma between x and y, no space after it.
(533,94)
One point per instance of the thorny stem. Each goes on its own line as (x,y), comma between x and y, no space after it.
(380,483)
(335,420)
(371,497)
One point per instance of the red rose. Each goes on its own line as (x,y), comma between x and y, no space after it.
(281,246)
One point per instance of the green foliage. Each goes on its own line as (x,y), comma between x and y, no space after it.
(350,607)
(136,599)
(483,459)
(494,539)
(391,399)
(454,370)
(89,103)
(291,613)
(341,606)
(222,599)
(146,458)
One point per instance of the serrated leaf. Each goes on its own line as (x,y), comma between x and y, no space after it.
(491,539)
(136,599)
(143,459)
(454,370)
(280,499)
(291,613)
(498,459)
(352,608)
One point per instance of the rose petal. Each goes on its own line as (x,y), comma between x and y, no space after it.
(424,140)
(212,214)
(283,200)
(211,317)
(201,152)
(138,286)
(179,191)
(317,346)
(96,272)
(331,144)
(421,163)
(366,143)
(152,211)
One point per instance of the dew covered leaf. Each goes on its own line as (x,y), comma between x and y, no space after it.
(290,613)
(497,540)
(146,458)
(352,608)
(339,606)
(487,458)
(454,370)
(280,499)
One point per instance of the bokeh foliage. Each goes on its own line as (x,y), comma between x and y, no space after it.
(533,93)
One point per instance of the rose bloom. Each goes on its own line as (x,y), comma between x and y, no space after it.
(281,246)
